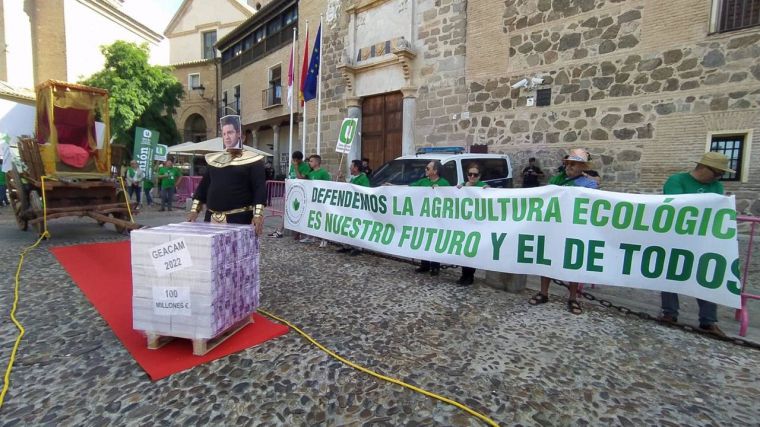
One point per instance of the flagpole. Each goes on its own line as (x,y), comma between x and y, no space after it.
(303,118)
(292,83)
(319,89)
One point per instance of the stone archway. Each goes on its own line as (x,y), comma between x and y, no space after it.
(195,129)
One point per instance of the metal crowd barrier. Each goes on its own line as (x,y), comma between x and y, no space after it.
(742,314)
(275,198)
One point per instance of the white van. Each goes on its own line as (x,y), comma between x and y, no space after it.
(496,169)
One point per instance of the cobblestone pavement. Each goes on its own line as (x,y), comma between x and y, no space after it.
(520,365)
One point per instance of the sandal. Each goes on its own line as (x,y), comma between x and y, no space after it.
(574,307)
(538,299)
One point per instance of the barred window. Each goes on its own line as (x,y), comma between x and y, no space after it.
(736,14)
(732,146)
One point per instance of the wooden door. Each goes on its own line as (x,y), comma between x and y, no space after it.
(382,118)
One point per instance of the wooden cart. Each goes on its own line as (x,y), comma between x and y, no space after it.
(66,171)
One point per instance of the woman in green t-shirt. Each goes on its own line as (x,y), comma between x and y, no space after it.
(472,180)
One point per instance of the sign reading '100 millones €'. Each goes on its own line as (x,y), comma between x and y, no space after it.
(168,300)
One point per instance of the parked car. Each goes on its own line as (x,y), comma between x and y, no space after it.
(496,169)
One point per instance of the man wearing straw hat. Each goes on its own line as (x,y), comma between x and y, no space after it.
(703,179)
(572,176)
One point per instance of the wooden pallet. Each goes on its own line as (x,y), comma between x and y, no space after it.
(201,346)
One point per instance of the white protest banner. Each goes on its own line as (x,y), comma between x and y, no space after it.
(685,244)
(346,135)
(171,300)
(171,257)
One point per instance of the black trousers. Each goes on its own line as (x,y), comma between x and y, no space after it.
(468,272)
(430,265)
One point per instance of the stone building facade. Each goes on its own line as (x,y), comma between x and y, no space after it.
(192,33)
(645,85)
(254,78)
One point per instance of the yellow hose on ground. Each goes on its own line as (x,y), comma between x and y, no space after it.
(470,411)
(126,197)
(22,331)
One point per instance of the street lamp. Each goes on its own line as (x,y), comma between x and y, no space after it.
(201,90)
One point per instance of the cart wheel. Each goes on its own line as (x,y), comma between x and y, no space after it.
(18,198)
(121,197)
(35,201)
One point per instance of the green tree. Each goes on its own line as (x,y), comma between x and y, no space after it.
(140,94)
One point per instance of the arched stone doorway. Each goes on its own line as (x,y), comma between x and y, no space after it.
(195,129)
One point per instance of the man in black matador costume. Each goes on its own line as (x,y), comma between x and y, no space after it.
(234,185)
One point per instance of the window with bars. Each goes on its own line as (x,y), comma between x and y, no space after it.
(209,40)
(734,15)
(733,147)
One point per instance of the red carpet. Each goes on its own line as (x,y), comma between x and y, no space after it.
(103,273)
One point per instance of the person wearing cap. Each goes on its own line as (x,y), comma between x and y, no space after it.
(575,163)
(704,178)
(233,188)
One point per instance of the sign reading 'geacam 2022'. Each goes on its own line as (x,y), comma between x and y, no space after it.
(685,244)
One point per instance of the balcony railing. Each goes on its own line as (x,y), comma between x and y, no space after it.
(270,44)
(271,97)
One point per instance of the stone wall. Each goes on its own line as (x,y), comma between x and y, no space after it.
(644,105)
(586,37)
(441,52)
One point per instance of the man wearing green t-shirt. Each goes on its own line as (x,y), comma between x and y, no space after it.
(357,176)
(431,179)
(168,176)
(703,179)
(298,168)
(316,174)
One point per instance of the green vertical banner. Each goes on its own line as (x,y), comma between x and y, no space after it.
(145,146)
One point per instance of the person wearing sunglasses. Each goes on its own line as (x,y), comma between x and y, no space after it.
(473,180)
(431,179)
(704,178)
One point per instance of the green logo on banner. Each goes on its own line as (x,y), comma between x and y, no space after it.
(295,199)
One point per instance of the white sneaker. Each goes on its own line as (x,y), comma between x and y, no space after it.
(323,244)
(307,240)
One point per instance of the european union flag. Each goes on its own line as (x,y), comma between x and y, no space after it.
(312,78)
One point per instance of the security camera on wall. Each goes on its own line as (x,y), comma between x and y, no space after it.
(520,84)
